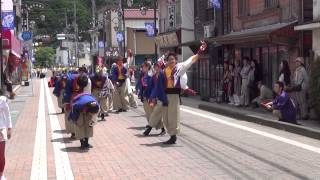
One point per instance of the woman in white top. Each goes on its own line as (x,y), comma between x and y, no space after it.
(5,129)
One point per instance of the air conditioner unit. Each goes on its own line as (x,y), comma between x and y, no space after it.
(208,30)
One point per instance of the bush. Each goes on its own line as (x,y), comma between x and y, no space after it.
(315,86)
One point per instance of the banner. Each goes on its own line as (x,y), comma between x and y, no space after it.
(8,20)
(150,29)
(120,37)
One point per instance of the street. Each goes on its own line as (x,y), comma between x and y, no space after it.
(210,146)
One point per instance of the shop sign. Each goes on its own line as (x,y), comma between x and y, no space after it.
(168,40)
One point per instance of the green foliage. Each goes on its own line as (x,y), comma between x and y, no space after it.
(315,86)
(44,56)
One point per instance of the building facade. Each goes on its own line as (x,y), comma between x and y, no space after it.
(259,29)
(135,37)
(312,25)
(176,27)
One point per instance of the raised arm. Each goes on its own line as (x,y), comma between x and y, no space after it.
(184,66)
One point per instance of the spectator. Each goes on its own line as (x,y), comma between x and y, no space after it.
(285,73)
(237,83)
(225,81)
(245,82)
(265,95)
(253,78)
(5,130)
(301,80)
(283,106)
(231,84)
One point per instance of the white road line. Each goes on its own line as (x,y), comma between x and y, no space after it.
(255,131)
(62,162)
(39,162)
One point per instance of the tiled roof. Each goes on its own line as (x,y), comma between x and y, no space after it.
(136,14)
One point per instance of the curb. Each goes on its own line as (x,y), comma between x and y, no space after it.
(297,129)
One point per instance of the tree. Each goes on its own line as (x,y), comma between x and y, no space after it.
(44,56)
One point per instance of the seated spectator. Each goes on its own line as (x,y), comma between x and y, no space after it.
(283,106)
(266,95)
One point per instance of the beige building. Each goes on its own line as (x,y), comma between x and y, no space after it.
(315,27)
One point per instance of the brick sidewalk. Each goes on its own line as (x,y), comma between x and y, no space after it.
(19,150)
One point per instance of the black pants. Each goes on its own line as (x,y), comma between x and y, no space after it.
(9,87)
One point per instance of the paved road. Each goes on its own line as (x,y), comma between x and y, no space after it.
(210,147)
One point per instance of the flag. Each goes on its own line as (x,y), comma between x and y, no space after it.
(216,4)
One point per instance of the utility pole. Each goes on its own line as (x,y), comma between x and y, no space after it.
(155,28)
(124,27)
(76,32)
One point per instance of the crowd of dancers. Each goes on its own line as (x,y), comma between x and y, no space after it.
(86,98)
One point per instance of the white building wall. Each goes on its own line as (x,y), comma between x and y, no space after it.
(61,57)
(187,26)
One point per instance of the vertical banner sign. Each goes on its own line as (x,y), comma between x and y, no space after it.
(172,16)
(8,20)
(120,37)
(149,29)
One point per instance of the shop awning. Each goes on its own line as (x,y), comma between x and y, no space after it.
(264,33)
(10,42)
(307,26)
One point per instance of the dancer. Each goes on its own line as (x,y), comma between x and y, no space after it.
(84,110)
(157,100)
(119,77)
(98,80)
(72,89)
(173,73)
(144,87)
(59,89)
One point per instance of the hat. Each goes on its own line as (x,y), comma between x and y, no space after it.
(300,59)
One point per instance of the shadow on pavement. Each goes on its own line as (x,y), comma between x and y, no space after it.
(62,140)
(137,128)
(58,113)
(60,131)
(137,116)
(73,149)
(150,135)
(160,144)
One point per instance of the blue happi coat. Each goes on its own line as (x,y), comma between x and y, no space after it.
(285,105)
(115,73)
(95,77)
(144,86)
(79,104)
(70,87)
(57,87)
(158,86)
